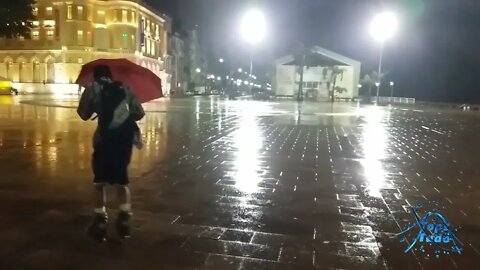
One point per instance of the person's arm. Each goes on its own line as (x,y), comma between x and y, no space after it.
(86,107)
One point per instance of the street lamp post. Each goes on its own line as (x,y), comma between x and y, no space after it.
(391,88)
(253,29)
(382,28)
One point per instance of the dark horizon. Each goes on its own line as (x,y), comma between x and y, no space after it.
(432,57)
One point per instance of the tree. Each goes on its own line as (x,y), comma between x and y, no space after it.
(16,18)
(340,90)
(371,79)
(367,80)
(300,57)
(335,72)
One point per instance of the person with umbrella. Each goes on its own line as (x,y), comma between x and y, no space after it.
(117,109)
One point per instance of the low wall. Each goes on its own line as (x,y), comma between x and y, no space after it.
(49,88)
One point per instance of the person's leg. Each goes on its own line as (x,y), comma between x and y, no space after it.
(124,198)
(99,198)
(123,222)
(122,159)
(98,228)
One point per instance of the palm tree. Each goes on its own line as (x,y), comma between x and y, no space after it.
(371,79)
(340,90)
(300,58)
(335,72)
(367,80)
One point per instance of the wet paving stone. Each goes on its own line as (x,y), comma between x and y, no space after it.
(240,236)
(237,249)
(241,185)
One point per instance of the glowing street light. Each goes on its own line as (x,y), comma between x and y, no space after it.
(253,28)
(198,70)
(221,60)
(383,27)
(240,70)
(391,88)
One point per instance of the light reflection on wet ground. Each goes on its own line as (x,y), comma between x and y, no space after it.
(240,185)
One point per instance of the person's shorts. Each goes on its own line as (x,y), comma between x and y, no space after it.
(110,163)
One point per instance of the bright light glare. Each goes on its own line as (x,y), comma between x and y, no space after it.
(383,26)
(374,149)
(253,26)
(248,141)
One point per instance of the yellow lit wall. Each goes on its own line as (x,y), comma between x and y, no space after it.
(69,33)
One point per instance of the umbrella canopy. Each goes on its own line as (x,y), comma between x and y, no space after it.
(143,82)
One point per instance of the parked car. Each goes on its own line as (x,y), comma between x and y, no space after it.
(5,86)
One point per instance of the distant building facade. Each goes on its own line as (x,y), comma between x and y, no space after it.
(317,76)
(179,69)
(67,34)
(195,61)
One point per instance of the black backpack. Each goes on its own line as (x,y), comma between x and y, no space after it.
(111,95)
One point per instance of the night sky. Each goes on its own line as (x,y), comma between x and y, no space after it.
(434,56)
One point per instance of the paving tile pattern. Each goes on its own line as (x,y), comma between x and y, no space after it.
(241,185)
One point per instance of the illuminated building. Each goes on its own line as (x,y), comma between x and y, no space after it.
(67,34)
(317,77)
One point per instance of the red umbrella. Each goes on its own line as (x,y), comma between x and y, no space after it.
(143,82)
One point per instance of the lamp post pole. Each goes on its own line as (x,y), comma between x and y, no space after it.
(300,84)
(382,28)
(380,62)
(253,29)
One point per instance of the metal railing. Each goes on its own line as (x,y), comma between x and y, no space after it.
(395,100)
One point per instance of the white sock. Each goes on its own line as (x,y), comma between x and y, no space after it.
(126,207)
(101,211)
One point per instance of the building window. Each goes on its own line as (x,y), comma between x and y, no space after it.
(21,38)
(49,23)
(69,12)
(49,11)
(35,11)
(36,23)
(50,34)
(133,17)
(80,60)
(101,12)
(115,16)
(80,12)
(35,35)
(124,16)
(153,48)
(80,36)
